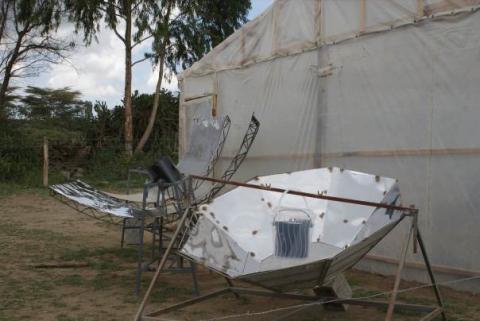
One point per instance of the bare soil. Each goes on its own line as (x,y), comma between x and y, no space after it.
(37,229)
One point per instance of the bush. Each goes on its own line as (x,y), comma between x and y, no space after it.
(20,157)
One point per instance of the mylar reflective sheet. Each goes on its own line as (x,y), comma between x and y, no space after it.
(86,195)
(236,233)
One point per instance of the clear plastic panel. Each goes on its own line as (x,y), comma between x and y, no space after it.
(400,103)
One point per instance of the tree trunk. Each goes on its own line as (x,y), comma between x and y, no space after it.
(4,17)
(8,72)
(156,100)
(128,81)
(3,91)
(153,113)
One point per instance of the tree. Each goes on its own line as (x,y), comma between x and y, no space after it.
(26,42)
(132,15)
(63,106)
(185,31)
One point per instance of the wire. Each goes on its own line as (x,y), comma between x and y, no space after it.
(253,314)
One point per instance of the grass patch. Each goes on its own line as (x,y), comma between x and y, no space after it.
(165,291)
(64,317)
(16,230)
(102,281)
(125,254)
(103,259)
(21,293)
(71,280)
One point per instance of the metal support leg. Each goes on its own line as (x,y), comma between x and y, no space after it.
(438,295)
(393,298)
(122,240)
(155,230)
(161,265)
(140,249)
(230,285)
(160,236)
(196,290)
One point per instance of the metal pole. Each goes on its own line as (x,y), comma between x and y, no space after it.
(431,275)
(140,249)
(162,263)
(45,161)
(393,298)
(318,196)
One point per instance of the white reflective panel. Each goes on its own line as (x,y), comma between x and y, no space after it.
(236,233)
(88,196)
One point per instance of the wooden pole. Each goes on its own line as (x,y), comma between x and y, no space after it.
(398,277)
(363,16)
(163,261)
(420,8)
(45,162)
(436,290)
(268,188)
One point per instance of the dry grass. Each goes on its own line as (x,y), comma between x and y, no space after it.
(37,229)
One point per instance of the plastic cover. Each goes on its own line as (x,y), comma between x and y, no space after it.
(384,87)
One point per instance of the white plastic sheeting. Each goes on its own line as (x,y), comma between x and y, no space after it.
(382,86)
(235,233)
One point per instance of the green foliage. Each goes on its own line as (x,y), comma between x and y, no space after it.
(81,135)
(19,155)
(199,26)
(60,105)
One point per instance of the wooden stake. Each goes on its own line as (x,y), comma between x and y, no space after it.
(214,106)
(398,277)
(61,265)
(363,15)
(45,162)
(420,8)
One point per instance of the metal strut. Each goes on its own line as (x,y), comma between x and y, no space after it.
(392,305)
(237,161)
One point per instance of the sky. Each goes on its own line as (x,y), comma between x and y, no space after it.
(97,71)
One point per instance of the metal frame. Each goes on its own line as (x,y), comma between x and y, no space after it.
(141,171)
(179,191)
(392,305)
(88,211)
(179,195)
(211,165)
(169,194)
(223,139)
(236,162)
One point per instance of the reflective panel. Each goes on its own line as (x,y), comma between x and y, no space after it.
(86,195)
(283,241)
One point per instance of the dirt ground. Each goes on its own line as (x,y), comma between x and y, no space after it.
(37,229)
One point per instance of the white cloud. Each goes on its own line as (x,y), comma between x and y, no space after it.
(98,70)
(169,83)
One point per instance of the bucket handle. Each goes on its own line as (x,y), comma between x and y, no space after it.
(278,208)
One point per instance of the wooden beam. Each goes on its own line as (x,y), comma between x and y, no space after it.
(432,315)
(214,105)
(420,266)
(318,22)
(189,302)
(269,188)
(372,153)
(420,8)
(363,15)
(398,277)
(188,99)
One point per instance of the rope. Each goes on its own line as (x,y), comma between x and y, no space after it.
(253,314)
